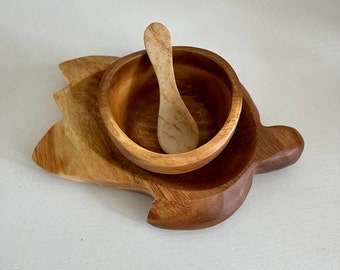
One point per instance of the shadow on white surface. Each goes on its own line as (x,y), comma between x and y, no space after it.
(132,205)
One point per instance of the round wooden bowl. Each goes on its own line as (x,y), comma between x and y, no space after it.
(129,102)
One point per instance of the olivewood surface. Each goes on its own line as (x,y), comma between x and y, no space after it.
(78,148)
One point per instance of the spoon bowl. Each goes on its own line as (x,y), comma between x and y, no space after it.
(129,106)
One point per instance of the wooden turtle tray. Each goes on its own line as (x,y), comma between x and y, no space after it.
(79,148)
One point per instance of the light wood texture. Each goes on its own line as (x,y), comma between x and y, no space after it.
(129,105)
(79,148)
(177,130)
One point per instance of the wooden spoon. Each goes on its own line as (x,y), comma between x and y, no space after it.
(177,131)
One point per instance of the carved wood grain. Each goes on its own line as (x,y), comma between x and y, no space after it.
(78,148)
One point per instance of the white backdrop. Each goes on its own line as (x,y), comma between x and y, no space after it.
(286,53)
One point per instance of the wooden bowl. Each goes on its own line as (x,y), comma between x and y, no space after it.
(79,148)
(129,102)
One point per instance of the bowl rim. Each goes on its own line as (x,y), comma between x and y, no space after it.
(162,162)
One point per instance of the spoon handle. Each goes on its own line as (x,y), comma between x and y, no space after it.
(157,41)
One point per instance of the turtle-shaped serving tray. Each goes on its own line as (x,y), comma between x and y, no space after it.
(79,148)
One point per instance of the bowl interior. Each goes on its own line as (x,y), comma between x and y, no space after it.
(202,83)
